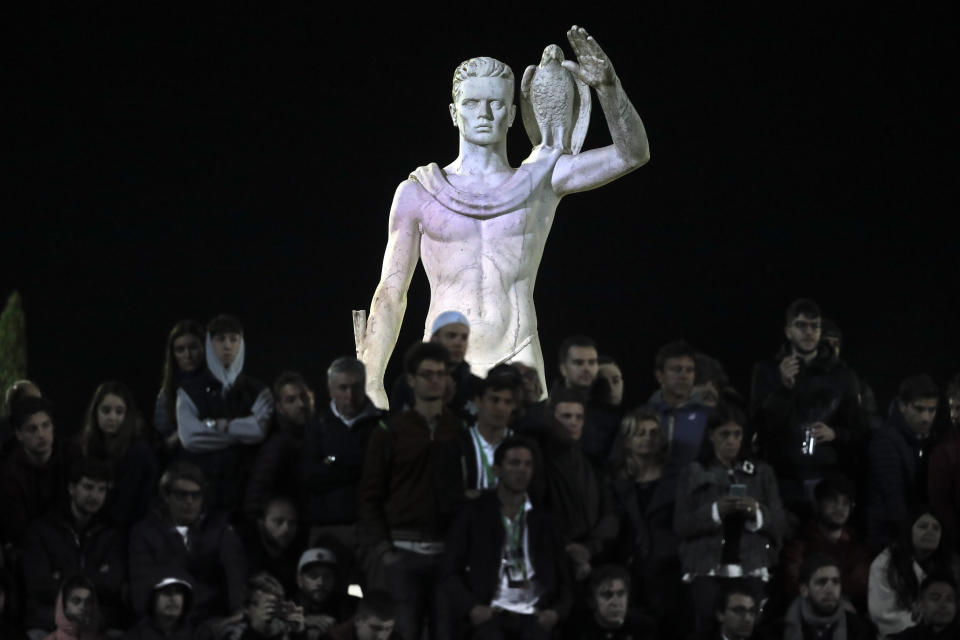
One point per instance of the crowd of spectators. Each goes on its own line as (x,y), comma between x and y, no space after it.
(486,507)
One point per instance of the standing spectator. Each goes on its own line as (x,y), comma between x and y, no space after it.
(611,391)
(579,366)
(221,412)
(34,476)
(898,457)
(74,538)
(896,573)
(183,361)
(806,410)
(644,486)
(408,487)
(682,417)
(12,395)
(728,514)
(112,431)
(505,569)
(181,533)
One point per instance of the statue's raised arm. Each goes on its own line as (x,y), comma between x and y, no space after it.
(630,149)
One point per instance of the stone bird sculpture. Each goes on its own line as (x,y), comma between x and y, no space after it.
(555,105)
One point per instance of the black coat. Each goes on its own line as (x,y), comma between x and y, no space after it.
(471,567)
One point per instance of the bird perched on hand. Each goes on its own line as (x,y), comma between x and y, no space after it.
(554,104)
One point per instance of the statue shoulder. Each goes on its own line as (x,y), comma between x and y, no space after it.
(409,197)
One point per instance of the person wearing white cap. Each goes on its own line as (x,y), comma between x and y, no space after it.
(167,609)
(451,330)
(320,592)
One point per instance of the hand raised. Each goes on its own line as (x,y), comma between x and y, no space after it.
(592,66)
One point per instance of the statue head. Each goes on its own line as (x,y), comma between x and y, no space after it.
(482,107)
(482,67)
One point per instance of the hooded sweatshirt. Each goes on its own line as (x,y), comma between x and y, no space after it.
(147,628)
(68,629)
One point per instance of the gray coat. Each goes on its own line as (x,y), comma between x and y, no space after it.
(701,538)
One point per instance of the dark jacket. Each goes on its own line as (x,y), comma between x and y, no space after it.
(55,550)
(134,486)
(147,628)
(925,632)
(944,483)
(331,465)
(409,481)
(275,469)
(215,559)
(898,478)
(471,567)
(701,537)
(28,491)
(852,556)
(825,391)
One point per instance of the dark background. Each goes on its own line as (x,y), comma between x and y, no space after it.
(167,163)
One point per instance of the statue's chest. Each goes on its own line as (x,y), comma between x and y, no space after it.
(439,224)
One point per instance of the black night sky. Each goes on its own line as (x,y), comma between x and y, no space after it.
(166,163)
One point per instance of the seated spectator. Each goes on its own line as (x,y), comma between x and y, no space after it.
(321,591)
(736,611)
(71,539)
(183,361)
(682,418)
(167,610)
(374,620)
(276,468)
(112,431)
(644,484)
(451,330)
(943,481)
(829,533)
(181,534)
(34,476)
(504,568)
(266,613)
(222,411)
(576,487)
(332,460)
(805,408)
(936,610)
(898,457)
(896,573)
(728,514)
(274,542)
(609,615)
(12,395)
(78,614)
(819,612)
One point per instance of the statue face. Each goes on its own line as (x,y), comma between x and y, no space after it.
(484,110)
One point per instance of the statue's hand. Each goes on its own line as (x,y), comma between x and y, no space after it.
(592,66)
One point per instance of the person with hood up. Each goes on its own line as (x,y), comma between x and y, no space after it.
(222,412)
(78,614)
(168,610)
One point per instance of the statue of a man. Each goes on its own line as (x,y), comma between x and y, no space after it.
(480,226)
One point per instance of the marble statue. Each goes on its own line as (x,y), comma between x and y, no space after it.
(480,225)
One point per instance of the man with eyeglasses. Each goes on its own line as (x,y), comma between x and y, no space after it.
(408,491)
(181,534)
(736,609)
(805,406)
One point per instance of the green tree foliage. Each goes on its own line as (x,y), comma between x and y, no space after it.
(13,343)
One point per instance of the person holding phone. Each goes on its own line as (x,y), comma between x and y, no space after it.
(728,515)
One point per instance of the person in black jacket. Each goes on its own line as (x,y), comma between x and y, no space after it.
(182,534)
(936,608)
(805,408)
(505,568)
(167,610)
(70,539)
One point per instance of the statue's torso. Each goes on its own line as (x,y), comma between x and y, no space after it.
(485,266)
